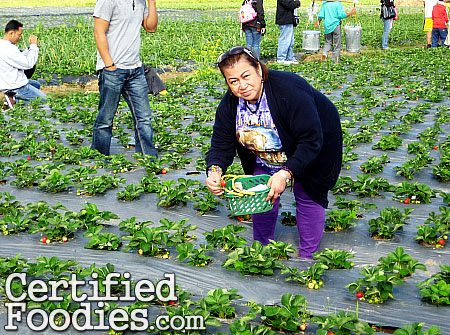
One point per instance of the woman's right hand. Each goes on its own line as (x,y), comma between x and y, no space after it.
(213,183)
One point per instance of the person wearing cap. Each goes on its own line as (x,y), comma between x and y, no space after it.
(281,126)
(13,64)
(117,32)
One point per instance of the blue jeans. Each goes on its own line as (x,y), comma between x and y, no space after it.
(437,34)
(131,84)
(29,91)
(286,42)
(253,40)
(387,29)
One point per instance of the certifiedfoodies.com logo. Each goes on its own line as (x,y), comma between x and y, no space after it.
(118,319)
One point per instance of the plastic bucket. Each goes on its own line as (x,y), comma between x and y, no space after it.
(311,40)
(353,38)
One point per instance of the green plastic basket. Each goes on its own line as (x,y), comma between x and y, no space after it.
(246,203)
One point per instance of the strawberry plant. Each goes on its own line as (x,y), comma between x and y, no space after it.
(218,302)
(285,317)
(184,310)
(195,257)
(102,272)
(288,219)
(400,263)
(436,289)
(375,164)
(101,241)
(9,202)
(243,327)
(98,184)
(90,215)
(151,164)
(311,277)
(14,222)
(127,309)
(341,323)
(176,160)
(343,185)
(118,163)
(280,249)
(51,268)
(352,205)
(442,170)
(152,242)
(205,201)
(131,192)
(338,219)
(131,226)
(9,265)
(417,192)
(171,193)
(390,220)
(56,227)
(334,259)
(366,186)
(376,285)
(150,183)
(226,237)
(81,173)
(416,329)
(27,179)
(252,260)
(67,304)
(181,230)
(388,142)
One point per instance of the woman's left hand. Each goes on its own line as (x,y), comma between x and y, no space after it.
(277,184)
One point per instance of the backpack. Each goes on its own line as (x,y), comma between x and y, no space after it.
(247,13)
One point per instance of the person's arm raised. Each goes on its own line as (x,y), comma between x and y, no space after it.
(150,22)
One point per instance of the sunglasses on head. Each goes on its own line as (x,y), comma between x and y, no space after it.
(234,51)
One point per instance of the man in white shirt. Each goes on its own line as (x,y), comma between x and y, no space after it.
(13,63)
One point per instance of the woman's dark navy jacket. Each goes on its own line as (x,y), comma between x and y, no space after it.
(309,128)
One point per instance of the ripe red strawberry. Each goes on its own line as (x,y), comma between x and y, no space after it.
(28,158)
(163,171)
(302,326)
(171,302)
(359,295)
(435,148)
(406,201)
(399,86)
(223,183)
(240,219)
(441,241)
(44,239)
(64,239)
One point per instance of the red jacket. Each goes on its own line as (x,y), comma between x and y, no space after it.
(440,16)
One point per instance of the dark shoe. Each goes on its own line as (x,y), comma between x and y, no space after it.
(10,101)
(428,46)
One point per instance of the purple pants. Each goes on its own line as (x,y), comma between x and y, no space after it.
(310,221)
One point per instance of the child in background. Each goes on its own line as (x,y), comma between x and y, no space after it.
(440,19)
(332,12)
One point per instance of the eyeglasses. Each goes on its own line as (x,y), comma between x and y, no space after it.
(234,51)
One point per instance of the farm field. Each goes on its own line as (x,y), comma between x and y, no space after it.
(65,209)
